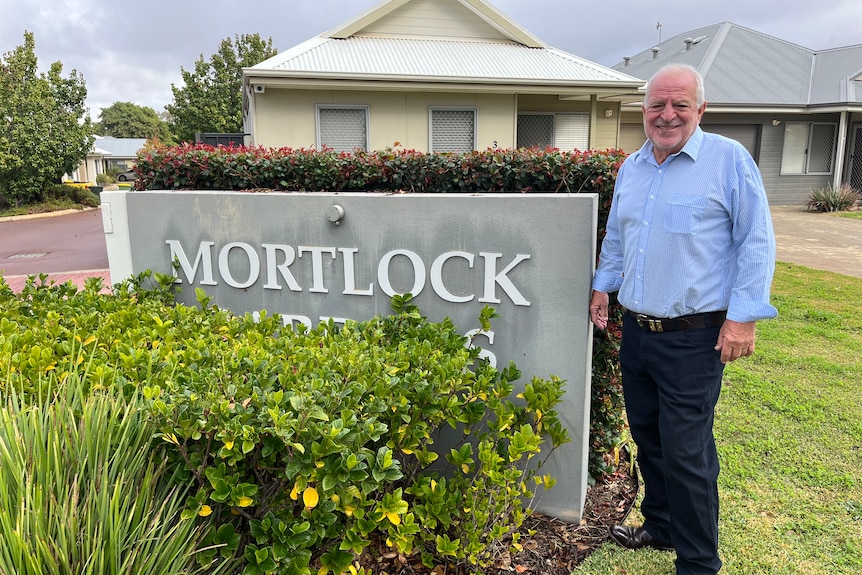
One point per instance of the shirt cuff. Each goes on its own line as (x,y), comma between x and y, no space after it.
(743,310)
(607,283)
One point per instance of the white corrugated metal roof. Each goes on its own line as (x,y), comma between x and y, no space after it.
(439,60)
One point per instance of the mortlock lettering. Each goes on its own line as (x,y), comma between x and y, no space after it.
(279,266)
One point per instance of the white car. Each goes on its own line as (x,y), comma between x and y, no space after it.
(127,176)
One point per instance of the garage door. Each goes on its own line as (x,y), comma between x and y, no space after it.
(745,134)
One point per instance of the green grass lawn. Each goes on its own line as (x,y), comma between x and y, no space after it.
(789,433)
(855,215)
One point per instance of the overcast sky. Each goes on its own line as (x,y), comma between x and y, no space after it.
(132,51)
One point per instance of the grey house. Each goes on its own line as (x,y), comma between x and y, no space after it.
(798,111)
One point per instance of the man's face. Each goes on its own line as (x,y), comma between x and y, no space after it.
(670,112)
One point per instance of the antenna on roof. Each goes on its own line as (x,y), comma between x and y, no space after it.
(658,27)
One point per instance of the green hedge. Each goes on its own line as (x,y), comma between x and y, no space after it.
(206,167)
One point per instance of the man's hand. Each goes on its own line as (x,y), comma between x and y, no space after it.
(599,309)
(735,340)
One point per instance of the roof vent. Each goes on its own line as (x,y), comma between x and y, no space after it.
(626,60)
(655,52)
(699,39)
(688,43)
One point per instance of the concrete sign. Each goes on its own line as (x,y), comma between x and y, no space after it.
(311,257)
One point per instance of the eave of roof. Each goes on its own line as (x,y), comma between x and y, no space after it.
(438,61)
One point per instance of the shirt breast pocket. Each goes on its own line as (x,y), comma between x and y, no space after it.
(684,214)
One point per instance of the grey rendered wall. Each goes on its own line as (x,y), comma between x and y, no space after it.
(780,189)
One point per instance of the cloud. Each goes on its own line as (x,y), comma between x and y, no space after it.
(133,51)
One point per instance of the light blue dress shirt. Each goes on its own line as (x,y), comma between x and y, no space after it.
(691,235)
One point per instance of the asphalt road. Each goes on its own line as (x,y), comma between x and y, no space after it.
(62,243)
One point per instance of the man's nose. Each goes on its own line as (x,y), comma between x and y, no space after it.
(668,113)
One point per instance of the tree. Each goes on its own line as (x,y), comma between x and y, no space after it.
(44,128)
(211,99)
(128,120)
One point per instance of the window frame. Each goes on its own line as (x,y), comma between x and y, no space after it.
(806,152)
(318,124)
(553,117)
(555,136)
(432,109)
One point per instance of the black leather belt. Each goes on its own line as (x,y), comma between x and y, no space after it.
(694,321)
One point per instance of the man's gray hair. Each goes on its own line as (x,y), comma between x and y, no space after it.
(701,97)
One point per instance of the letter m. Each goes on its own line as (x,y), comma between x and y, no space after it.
(204,258)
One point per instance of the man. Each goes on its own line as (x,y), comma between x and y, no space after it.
(691,250)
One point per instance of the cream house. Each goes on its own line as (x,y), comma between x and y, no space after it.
(433,75)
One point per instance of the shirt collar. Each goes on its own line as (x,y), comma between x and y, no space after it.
(691,148)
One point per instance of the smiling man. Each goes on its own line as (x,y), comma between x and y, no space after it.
(691,251)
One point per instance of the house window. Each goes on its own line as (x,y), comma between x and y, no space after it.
(342,128)
(563,131)
(453,129)
(535,131)
(808,148)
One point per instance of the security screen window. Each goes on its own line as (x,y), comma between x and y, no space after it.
(342,128)
(808,148)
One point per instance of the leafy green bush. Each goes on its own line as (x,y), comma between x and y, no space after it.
(105,178)
(204,167)
(320,448)
(831,199)
(74,194)
(316,449)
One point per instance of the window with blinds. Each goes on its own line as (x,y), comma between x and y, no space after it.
(453,129)
(573,132)
(342,128)
(564,131)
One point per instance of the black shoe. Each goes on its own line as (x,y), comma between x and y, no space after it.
(637,537)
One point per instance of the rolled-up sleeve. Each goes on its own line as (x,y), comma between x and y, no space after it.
(754,243)
(609,274)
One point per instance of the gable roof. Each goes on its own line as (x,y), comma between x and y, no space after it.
(382,20)
(743,67)
(439,43)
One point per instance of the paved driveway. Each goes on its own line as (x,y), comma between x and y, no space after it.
(820,241)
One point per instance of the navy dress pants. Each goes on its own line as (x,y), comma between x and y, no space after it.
(671,383)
